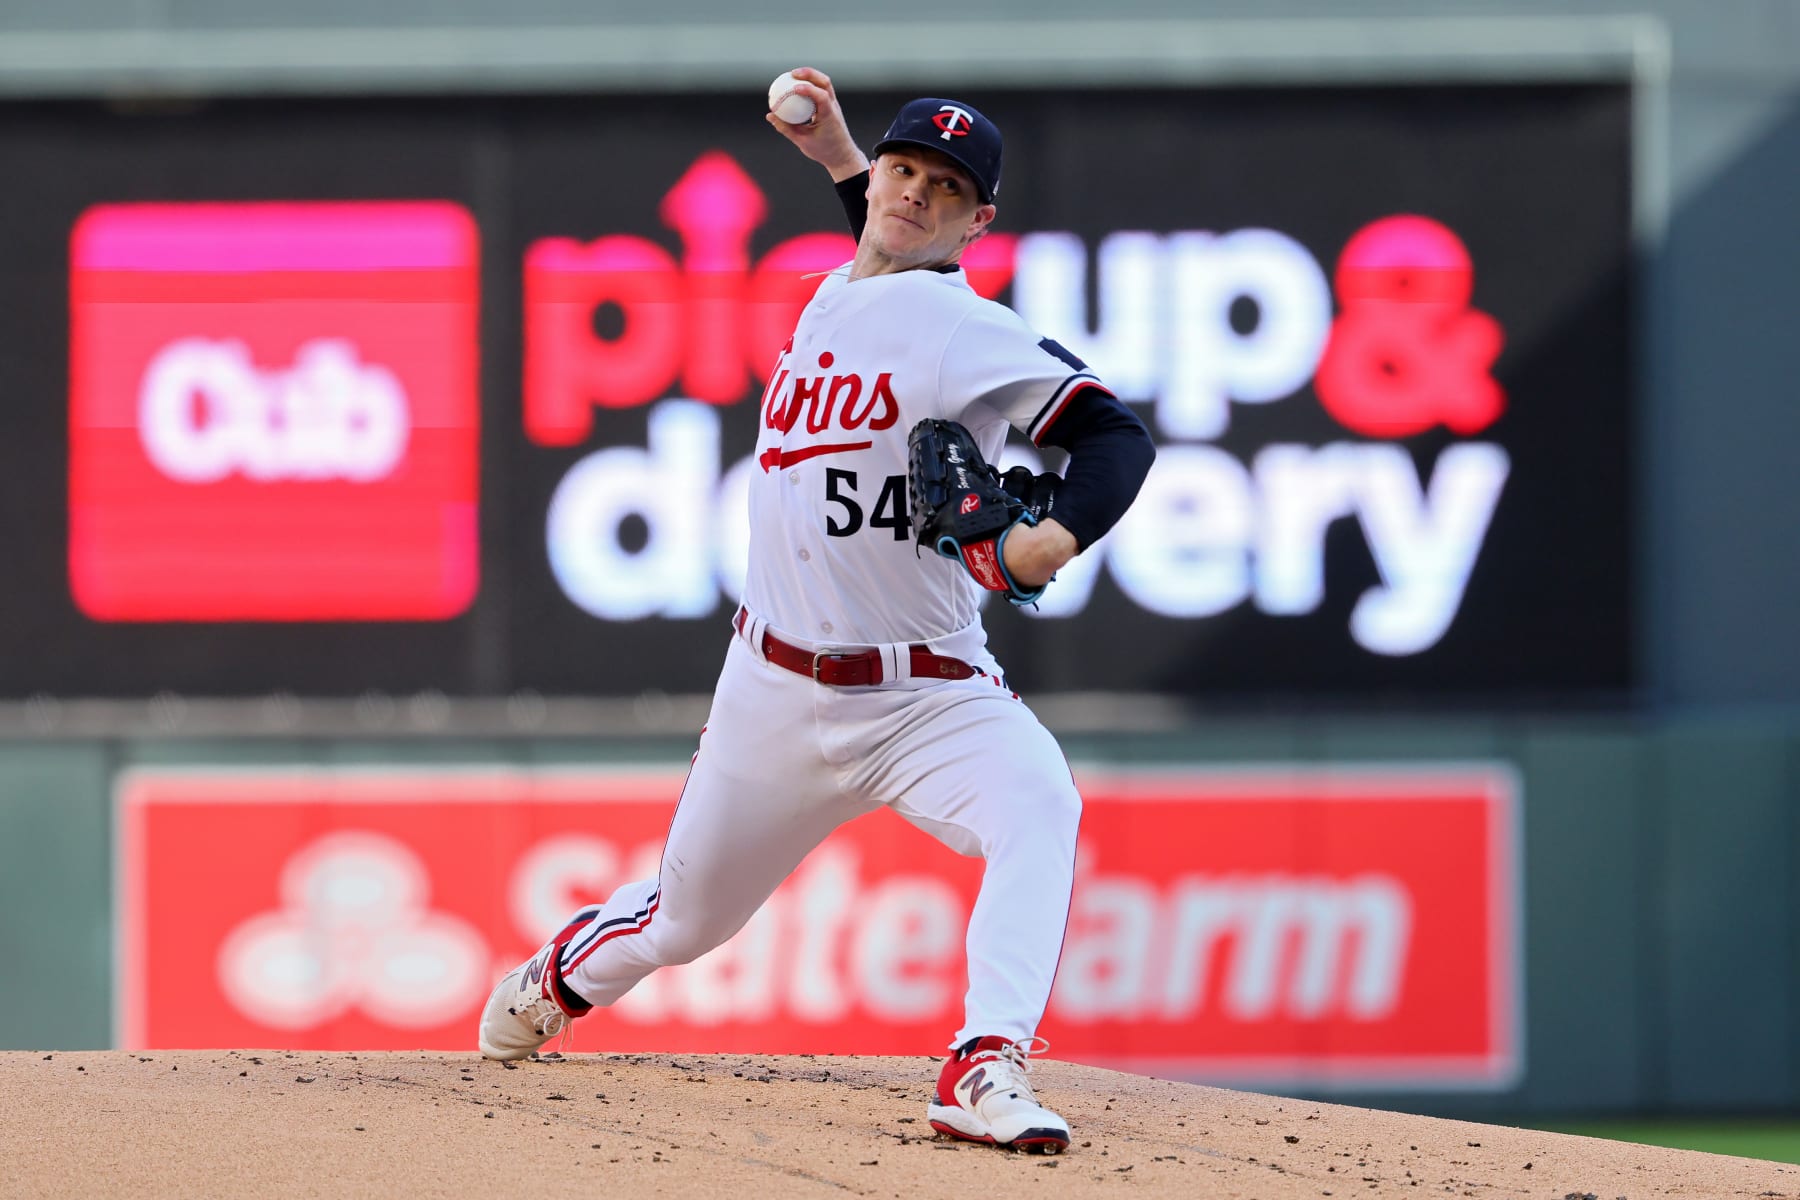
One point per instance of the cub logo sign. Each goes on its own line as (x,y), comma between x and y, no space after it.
(1326,927)
(273,412)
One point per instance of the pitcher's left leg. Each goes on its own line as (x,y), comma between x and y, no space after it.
(987,780)
(980,774)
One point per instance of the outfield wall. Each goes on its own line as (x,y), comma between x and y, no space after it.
(1655,946)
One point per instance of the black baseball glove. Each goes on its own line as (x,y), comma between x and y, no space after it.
(963,509)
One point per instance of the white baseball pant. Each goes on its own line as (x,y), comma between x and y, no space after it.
(784,760)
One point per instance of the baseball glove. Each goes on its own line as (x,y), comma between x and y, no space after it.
(964,509)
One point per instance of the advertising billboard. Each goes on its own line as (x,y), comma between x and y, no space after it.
(1332,926)
(331,396)
(273,412)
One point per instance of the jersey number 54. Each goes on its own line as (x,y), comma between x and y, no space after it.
(889,512)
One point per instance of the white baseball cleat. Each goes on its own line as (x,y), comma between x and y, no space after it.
(983,1095)
(529,1006)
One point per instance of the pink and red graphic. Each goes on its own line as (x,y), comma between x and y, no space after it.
(273,412)
(1406,351)
(1350,927)
(707,323)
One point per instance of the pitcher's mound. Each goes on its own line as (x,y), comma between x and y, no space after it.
(734,1127)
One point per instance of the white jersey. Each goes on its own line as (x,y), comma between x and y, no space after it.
(833,556)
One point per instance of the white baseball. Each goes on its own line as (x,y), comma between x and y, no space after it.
(788,104)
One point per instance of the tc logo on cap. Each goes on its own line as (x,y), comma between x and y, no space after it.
(953,128)
(954,121)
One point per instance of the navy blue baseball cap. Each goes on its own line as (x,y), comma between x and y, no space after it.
(952,128)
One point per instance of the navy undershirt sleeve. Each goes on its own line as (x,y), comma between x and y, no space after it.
(853,194)
(1110,453)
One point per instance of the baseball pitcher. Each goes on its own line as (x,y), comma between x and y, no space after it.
(858,674)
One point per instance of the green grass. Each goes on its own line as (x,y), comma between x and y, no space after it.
(1778,1140)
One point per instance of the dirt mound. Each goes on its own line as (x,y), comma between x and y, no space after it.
(283,1123)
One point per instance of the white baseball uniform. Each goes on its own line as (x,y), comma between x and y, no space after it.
(783,760)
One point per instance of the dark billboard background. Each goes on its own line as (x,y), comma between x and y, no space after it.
(1534,182)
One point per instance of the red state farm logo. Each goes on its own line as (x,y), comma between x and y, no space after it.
(273,412)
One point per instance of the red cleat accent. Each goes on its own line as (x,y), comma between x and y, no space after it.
(983,1095)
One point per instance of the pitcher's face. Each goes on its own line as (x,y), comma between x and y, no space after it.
(923,207)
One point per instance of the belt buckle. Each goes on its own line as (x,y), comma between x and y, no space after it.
(828,652)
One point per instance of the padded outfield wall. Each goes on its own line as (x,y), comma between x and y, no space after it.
(1641,941)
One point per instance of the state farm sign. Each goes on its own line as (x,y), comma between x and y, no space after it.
(273,412)
(1326,926)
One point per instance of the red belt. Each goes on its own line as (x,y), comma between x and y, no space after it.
(853,668)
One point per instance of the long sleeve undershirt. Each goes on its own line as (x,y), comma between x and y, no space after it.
(1110,453)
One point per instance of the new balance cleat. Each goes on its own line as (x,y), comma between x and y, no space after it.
(529,1006)
(983,1095)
